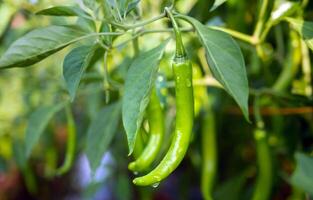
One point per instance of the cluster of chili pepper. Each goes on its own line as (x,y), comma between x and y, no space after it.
(182,71)
(189,101)
(156,125)
(185,111)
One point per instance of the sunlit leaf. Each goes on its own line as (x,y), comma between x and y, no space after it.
(63,11)
(74,66)
(226,62)
(283,8)
(39,44)
(216,4)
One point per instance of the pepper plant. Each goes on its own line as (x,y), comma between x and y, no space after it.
(177,67)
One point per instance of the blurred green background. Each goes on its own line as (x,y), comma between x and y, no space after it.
(288,118)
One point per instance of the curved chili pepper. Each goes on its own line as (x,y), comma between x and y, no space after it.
(184,115)
(156,132)
(199,91)
(264,180)
(209,157)
(71,143)
(291,65)
(139,144)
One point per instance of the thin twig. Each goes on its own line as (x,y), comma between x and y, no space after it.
(139,24)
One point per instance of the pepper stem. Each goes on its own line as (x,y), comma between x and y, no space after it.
(180,49)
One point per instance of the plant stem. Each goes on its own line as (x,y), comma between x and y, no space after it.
(272,93)
(267,28)
(306,68)
(105,47)
(209,149)
(180,50)
(236,34)
(263,185)
(106,83)
(144,32)
(257,115)
(128,40)
(261,19)
(117,10)
(165,30)
(146,22)
(139,24)
(136,46)
(241,36)
(233,33)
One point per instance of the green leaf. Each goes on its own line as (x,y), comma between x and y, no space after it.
(132,5)
(216,4)
(63,11)
(126,6)
(123,7)
(111,8)
(39,44)
(231,188)
(139,81)
(18,150)
(37,123)
(101,132)
(108,11)
(74,66)
(226,62)
(86,24)
(302,177)
(107,39)
(91,4)
(305,29)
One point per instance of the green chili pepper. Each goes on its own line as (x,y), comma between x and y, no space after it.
(291,65)
(208,138)
(209,160)
(184,115)
(139,144)
(199,91)
(156,132)
(71,143)
(263,186)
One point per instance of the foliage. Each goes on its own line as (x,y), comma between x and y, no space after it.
(100,60)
